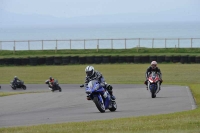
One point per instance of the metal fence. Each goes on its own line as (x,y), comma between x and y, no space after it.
(119,43)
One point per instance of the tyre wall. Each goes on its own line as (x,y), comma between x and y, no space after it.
(65,60)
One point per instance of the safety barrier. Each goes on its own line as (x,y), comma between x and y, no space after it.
(66,60)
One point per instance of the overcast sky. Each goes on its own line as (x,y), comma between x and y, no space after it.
(142,10)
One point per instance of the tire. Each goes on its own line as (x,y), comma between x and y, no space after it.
(60,89)
(153,92)
(24,87)
(14,88)
(114,106)
(99,105)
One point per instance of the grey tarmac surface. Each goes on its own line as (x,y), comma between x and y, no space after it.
(71,105)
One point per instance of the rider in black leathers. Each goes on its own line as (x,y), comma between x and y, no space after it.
(92,74)
(15,80)
(151,68)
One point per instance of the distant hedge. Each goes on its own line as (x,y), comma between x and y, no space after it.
(65,60)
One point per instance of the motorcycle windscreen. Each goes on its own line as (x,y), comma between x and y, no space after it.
(92,84)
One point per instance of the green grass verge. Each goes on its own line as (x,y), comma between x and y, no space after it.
(179,122)
(89,52)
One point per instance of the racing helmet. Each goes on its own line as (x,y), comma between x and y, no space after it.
(15,77)
(89,70)
(50,78)
(153,64)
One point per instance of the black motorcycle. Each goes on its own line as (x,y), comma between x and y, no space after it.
(18,84)
(53,86)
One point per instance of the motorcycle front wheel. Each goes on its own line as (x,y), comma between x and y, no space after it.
(60,89)
(24,87)
(100,106)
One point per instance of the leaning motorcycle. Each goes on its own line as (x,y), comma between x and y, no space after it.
(154,84)
(18,84)
(100,96)
(54,86)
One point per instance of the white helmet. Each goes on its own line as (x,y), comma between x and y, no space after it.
(89,70)
(153,64)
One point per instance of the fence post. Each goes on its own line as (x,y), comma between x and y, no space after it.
(139,43)
(98,43)
(165,43)
(191,42)
(56,43)
(42,44)
(56,46)
(152,42)
(28,45)
(0,45)
(97,47)
(125,43)
(84,43)
(178,42)
(55,50)
(70,43)
(14,48)
(111,43)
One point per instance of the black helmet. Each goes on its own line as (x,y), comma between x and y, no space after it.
(50,78)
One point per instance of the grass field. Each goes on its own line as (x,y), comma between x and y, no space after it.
(181,74)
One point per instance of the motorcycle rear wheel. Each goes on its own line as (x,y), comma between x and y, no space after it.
(99,105)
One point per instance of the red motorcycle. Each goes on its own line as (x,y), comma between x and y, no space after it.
(154,84)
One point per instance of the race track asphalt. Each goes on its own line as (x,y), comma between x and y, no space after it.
(71,105)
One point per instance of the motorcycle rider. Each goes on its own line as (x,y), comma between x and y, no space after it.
(92,74)
(51,81)
(15,80)
(151,68)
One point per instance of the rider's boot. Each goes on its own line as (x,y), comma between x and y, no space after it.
(145,82)
(88,97)
(111,95)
